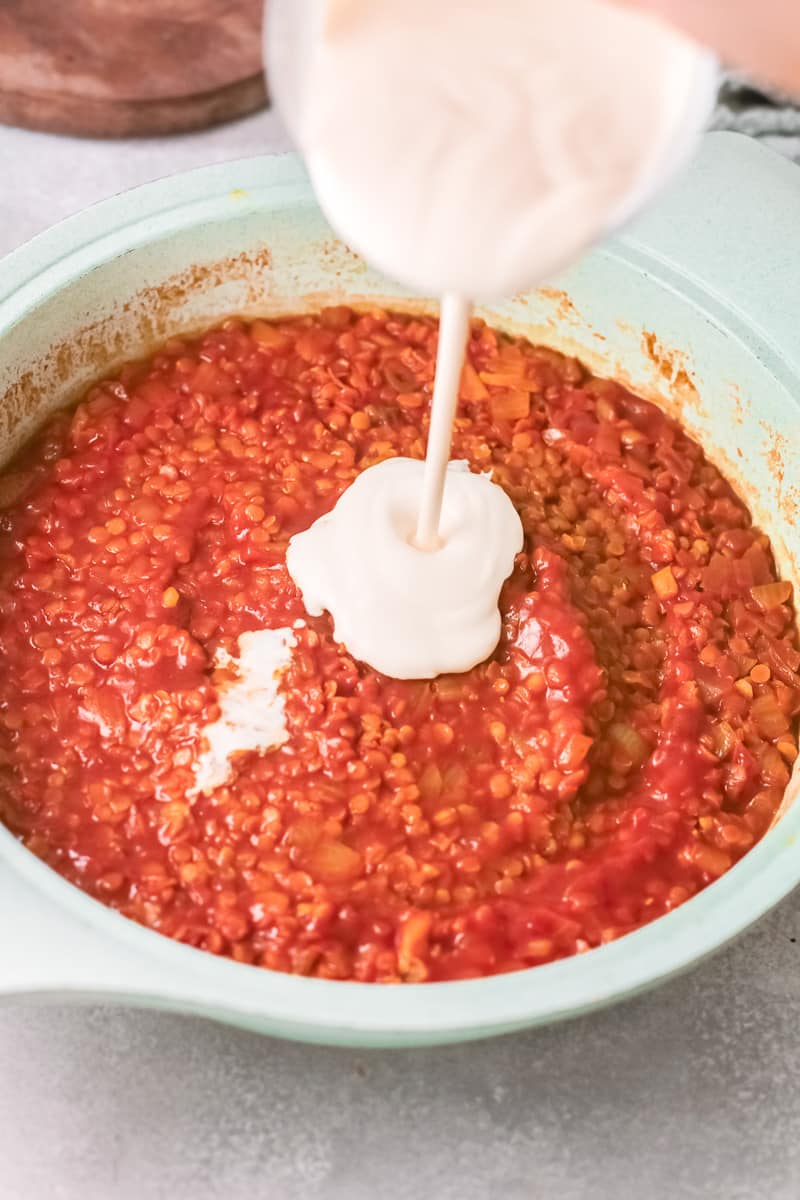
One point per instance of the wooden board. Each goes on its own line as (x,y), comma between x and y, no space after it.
(120,68)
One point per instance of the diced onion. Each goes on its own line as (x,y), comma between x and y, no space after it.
(771,595)
(631,741)
(472,388)
(399,376)
(769,717)
(505,379)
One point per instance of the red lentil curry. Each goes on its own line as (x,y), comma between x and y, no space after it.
(628,742)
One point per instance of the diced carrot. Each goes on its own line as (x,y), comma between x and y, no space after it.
(664,583)
(575,751)
(336,316)
(510,406)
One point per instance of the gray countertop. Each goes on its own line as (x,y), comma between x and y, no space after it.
(691,1091)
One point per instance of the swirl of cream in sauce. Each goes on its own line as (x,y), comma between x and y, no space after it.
(407,612)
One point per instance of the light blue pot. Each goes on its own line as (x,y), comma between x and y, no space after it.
(697,307)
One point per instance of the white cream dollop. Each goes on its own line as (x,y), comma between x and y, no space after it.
(410,613)
(252,710)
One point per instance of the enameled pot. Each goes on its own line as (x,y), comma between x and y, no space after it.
(695,307)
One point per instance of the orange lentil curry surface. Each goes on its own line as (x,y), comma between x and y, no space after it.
(629,740)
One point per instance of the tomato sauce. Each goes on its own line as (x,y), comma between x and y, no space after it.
(628,742)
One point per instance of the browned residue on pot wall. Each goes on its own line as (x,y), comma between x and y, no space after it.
(673,366)
(134,329)
(340,259)
(565,309)
(787,493)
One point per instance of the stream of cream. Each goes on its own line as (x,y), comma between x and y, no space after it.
(410,561)
(464,148)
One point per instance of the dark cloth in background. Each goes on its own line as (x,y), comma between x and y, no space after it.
(747,108)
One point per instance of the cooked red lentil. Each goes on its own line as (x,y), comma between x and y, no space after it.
(629,741)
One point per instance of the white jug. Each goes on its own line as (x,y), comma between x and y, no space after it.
(476,146)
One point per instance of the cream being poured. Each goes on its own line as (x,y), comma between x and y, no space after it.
(411,560)
(475,146)
(464,149)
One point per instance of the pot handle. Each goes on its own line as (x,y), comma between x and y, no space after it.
(45,950)
(706,231)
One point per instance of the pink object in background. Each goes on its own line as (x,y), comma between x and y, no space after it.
(762,37)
